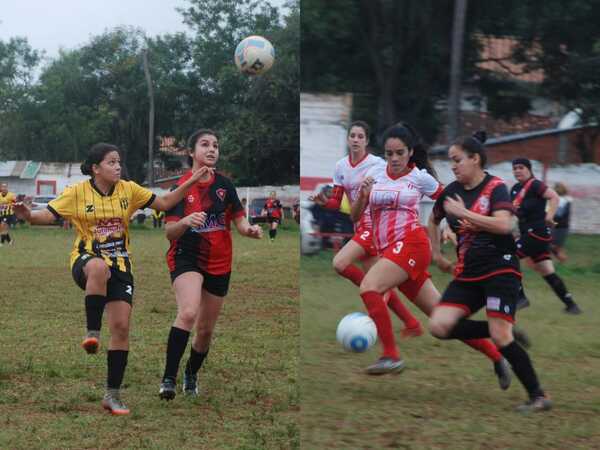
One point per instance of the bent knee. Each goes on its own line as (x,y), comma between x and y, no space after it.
(339,264)
(439,328)
(97,269)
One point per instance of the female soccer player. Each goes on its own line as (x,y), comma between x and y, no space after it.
(477,206)
(100,209)
(274,213)
(529,197)
(349,173)
(393,194)
(7,200)
(199,259)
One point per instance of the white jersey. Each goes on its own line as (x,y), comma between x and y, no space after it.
(394,203)
(350,176)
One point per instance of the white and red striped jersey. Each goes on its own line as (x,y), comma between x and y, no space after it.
(394,203)
(350,176)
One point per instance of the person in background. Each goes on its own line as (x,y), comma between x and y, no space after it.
(7,200)
(562,217)
(530,197)
(157,218)
(274,213)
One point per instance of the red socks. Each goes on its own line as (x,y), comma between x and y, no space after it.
(396,305)
(354,274)
(380,315)
(486,347)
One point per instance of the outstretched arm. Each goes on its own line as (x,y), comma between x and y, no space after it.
(245,229)
(41,217)
(170,199)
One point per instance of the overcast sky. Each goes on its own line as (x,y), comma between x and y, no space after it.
(51,24)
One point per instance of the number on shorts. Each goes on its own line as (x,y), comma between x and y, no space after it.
(398,248)
(365,235)
(129,289)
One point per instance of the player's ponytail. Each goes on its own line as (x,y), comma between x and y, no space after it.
(474,145)
(95,156)
(409,136)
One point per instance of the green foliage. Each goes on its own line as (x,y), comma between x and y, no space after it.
(98,93)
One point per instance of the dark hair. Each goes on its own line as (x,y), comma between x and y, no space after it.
(191,142)
(96,155)
(473,145)
(362,124)
(524,162)
(413,141)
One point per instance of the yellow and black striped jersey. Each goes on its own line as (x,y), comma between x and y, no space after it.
(102,221)
(6,203)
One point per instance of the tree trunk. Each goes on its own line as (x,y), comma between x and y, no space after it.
(458,32)
(150,121)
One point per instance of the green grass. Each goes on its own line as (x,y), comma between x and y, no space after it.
(448,397)
(50,390)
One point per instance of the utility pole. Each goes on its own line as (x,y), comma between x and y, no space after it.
(458,32)
(150,120)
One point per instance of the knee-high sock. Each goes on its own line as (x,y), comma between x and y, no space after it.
(176,344)
(94,308)
(195,361)
(559,288)
(380,315)
(355,275)
(523,368)
(486,347)
(116,362)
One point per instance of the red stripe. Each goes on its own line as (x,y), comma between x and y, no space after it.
(500,315)
(437,193)
(465,308)
(539,238)
(491,274)
(310,183)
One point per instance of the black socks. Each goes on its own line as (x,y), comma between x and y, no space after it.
(94,308)
(117,361)
(195,361)
(559,288)
(176,345)
(523,369)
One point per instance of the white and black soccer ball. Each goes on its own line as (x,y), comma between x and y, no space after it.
(356,332)
(254,55)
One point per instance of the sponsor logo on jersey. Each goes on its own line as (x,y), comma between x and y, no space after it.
(493,303)
(89,208)
(109,228)
(214,222)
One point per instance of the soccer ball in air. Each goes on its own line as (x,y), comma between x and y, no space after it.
(356,332)
(254,55)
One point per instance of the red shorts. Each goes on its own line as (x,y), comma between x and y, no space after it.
(364,238)
(413,253)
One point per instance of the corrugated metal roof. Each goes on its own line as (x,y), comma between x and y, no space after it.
(6,168)
(31,170)
(19,166)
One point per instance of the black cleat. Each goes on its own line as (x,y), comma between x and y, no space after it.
(190,384)
(502,370)
(537,404)
(573,309)
(167,389)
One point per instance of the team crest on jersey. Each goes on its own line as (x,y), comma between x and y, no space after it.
(190,199)
(484,203)
(221,194)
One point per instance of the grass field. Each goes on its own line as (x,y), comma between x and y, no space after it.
(448,397)
(50,390)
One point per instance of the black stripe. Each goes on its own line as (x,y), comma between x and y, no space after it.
(149,202)
(53,211)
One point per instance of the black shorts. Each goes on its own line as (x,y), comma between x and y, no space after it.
(498,294)
(534,243)
(274,220)
(215,284)
(118,287)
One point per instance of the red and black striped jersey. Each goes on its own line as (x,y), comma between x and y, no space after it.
(530,204)
(481,254)
(210,245)
(273,208)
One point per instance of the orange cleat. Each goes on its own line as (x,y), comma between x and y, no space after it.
(412,332)
(91,344)
(113,404)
